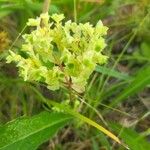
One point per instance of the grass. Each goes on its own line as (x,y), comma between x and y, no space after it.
(114,91)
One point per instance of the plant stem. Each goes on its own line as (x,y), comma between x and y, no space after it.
(46,6)
(75,10)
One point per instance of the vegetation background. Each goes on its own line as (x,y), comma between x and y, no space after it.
(117,95)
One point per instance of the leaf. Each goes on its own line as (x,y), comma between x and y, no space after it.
(132,138)
(84,119)
(28,133)
(104,141)
(111,72)
(4,13)
(95,145)
(141,80)
(145,48)
(77,115)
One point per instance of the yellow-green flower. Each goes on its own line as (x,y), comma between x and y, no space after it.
(60,52)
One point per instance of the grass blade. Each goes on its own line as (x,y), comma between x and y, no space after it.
(141,80)
(84,119)
(111,72)
(131,137)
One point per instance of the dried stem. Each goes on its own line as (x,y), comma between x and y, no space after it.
(75,10)
(46,6)
(68,81)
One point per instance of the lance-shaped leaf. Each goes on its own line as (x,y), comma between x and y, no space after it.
(28,133)
(86,120)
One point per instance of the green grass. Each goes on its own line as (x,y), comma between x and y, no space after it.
(113,91)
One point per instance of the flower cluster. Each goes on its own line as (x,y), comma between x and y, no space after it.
(58,53)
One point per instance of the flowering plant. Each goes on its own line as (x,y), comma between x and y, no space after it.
(60,54)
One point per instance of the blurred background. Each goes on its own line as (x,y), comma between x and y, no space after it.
(119,90)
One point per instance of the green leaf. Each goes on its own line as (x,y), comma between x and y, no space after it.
(84,119)
(104,141)
(111,72)
(78,116)
(132,138)
(28,133)
(145,48)
(95,145)
(141,80)
(4,13)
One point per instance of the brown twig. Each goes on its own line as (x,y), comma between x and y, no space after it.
(68,80)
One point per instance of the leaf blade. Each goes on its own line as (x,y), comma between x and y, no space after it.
(29,133)
(131,137)
(85,119)
(140,81)
(113,73)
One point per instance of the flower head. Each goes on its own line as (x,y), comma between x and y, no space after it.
(60,52)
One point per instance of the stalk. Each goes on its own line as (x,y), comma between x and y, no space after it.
(46,6)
